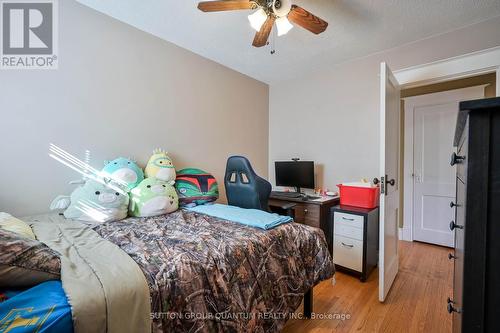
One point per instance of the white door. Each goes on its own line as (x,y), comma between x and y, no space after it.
(435,117)
(389,179)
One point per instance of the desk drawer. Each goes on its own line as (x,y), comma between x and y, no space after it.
(348,219)
(348,252)
(342,229)
(308,214)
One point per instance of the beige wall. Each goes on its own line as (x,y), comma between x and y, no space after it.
(119,91)
(332,117)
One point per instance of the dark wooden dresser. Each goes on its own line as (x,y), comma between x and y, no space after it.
(475,304)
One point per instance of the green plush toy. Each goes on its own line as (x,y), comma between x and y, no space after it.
(153,197)
(123,171)
(94,201)
(161,166)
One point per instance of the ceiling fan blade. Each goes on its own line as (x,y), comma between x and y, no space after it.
(223,5)
(262,36)
(306,20)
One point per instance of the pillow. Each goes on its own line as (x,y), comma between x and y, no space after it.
(26,262)
(95,202)
(196,187)
(153,197)
(124,172)
(9,222)
(160,166)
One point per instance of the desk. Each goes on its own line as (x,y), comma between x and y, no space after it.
(315,213)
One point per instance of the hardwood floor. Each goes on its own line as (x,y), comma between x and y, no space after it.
(416,302)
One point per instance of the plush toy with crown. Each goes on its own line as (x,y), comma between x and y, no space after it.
(160,166)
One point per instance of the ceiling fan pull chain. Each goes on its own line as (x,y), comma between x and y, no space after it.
(273,42)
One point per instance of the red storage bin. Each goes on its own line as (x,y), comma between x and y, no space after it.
(358,196)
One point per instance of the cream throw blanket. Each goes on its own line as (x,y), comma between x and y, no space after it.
(106,289)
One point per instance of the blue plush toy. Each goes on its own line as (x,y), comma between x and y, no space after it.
(124,172)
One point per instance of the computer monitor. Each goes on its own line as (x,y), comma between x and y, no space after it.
(295,174)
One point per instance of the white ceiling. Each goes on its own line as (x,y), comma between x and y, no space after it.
(356,28)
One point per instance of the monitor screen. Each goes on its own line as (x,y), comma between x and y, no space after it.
(295,173)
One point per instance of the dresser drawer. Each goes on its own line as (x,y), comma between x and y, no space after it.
(348,219)
(343,229)
(348,252)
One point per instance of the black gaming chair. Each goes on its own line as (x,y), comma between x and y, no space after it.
(244,188)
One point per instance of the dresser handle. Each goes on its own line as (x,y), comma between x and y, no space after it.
(452,204)
(345,218)
(451,308)
(451,256)
(455,226)
(347,245)
(456,159)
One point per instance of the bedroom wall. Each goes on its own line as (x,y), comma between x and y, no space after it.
(119,91)
(332,117)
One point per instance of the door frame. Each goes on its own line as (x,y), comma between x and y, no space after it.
(459,67)
(406,233)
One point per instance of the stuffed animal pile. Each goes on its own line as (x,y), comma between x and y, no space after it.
(122,189)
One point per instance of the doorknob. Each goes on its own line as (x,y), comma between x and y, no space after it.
(376,181)
(451,256)
(452,204)
(391,182)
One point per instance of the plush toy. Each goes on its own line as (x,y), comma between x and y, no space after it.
(161,167)
(153,197)
(124,172)
(94,202)
(196,187)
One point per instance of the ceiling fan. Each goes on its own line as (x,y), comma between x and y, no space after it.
(269,12)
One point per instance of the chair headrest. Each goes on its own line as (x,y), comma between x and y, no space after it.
(240,164)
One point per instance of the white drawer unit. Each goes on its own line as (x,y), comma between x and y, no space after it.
(355,239)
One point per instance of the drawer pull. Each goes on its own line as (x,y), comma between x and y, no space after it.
(456,159)
(455,226)
(347,245)
(345,218)
(452,309)
(451,256)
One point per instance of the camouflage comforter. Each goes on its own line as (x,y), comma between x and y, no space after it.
(210,275)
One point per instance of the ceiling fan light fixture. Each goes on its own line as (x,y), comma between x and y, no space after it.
(257,19)
(283,25)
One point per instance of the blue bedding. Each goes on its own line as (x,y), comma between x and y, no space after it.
(250,217)
(42,309)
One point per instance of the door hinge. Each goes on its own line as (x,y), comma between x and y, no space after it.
(382,185)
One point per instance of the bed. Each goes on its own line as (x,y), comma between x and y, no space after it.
(206,274)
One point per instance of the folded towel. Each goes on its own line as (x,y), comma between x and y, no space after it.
(250,217)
